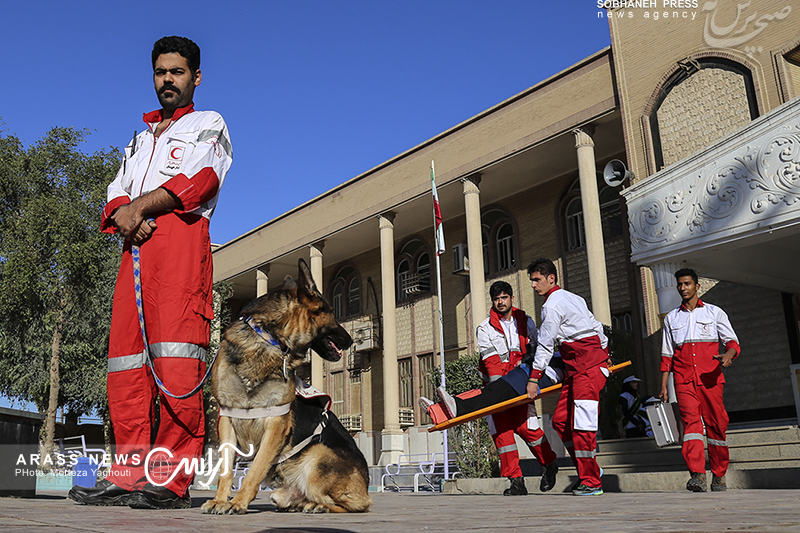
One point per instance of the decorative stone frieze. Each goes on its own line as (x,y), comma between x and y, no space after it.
(746,184)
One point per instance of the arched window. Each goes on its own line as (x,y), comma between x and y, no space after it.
(610,216)
(574,221)
(611,212)
(505,247)
(413,270)
(336,301)
(686,116)
(403,282)
(424,271)
(345,293)
(499,241)
(353,297)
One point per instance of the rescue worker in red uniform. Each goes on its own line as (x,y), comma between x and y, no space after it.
(504,339)
(161,200)
(690,350)
(567,324)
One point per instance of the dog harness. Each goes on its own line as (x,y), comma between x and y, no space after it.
(301,389)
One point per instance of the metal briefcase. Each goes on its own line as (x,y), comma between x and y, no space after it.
(665,427)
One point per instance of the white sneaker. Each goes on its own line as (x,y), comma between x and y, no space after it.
(448,402)
(425,403)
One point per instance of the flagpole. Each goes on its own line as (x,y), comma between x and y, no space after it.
(439,310)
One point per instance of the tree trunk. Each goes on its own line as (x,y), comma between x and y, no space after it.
(52,407)
(107,434)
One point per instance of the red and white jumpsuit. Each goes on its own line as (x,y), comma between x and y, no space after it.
(689,343)
(502,347)
(568,324)
(190,159)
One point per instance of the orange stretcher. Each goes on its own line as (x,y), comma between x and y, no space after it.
(502,406)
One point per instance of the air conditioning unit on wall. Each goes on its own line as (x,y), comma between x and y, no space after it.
(365,335)
(460,259)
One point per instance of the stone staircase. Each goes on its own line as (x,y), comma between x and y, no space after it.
(766,457)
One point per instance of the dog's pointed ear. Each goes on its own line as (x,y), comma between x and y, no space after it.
(289,283)
(305,280)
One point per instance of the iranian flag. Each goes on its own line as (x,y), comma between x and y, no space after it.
(437,215)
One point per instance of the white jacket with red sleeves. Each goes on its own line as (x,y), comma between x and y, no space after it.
(569,327)
(190,159)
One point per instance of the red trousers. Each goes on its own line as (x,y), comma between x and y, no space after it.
(576,418)
(176,289)
(701,405)
(522,421)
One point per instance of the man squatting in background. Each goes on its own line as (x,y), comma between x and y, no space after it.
(162,200)
(690,350)
(506,339)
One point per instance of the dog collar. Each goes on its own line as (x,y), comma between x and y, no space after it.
(261,332)
(264,334)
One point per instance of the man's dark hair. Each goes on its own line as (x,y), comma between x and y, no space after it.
(181,45)
(686,272)
(543,266)
(498,287)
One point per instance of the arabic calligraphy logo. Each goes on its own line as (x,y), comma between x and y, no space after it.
(735,34)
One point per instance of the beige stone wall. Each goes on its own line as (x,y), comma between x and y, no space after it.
(759,378)
(706,107)
(425,317)
(646,52)
(455,294)
(405,333)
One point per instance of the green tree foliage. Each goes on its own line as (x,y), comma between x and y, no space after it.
(476,455)
(57,272)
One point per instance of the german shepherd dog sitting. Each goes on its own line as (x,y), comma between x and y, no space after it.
(253,379)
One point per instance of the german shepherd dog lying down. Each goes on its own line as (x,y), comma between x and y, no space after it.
(299,446)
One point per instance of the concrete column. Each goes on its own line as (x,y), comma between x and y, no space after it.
(392,435)
(664,278)
(668,299)
(317,364)
(477,285)
(595,247)
(262,280)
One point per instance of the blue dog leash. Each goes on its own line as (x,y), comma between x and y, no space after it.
(137,285)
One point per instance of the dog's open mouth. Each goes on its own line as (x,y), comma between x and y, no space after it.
(327,349)
(330,347)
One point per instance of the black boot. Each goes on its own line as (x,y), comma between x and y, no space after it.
(103,493)
(155,497)
(548,477)
(697,483)
(517,487)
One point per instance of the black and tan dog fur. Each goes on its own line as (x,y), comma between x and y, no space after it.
(330,475)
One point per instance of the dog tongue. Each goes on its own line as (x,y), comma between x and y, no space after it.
(335,348)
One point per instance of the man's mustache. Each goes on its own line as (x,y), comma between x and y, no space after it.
(169,88)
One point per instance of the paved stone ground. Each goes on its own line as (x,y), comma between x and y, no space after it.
(735,510)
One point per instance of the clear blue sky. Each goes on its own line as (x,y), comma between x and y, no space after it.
(314,92)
